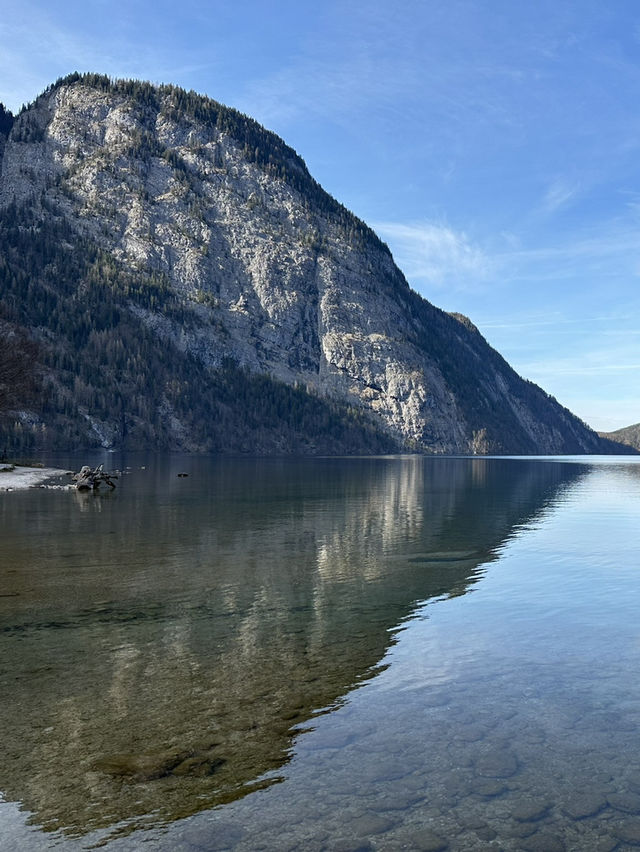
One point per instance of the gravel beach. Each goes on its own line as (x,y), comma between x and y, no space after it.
(17,478)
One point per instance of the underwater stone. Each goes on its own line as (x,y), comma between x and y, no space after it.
(584,805)
(541,842)
(370,824)
(489,789)
(426,841)
(497,764)
(531,810)
(628,803)
(628,832)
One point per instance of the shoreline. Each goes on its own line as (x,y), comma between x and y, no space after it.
(20,478)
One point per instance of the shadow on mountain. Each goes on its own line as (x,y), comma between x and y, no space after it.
(162,644)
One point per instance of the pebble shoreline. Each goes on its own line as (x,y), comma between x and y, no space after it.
(19,478)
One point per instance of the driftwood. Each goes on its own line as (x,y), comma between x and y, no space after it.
(89,479)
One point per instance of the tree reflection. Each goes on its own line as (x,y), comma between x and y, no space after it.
(164,652)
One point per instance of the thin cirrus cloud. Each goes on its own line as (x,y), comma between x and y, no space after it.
(609,252)
(552,320)
(306,86)
(559,195)
(609,360)
(392,69)
(574,377)
(436,255)
(576,367)
(38,47)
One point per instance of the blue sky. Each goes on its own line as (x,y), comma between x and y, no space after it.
(493,144)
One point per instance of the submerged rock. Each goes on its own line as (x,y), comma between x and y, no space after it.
(531,810)
(149,767)
(628,832)
(584,805)
(141,767)
(488,788)
(500,763)
(628,803)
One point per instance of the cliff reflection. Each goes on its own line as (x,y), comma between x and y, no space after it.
(158,653)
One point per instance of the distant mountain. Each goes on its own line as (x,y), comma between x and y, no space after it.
(630,435)
(189,285)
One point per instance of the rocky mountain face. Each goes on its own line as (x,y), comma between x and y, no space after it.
(189,285)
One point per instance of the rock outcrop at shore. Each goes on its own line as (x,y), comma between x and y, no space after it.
(192,286)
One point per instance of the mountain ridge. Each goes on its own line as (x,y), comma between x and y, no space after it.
(629,435)
(185,254)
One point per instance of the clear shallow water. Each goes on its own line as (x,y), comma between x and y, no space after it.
(324,654)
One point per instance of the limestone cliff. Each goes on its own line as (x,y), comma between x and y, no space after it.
(209,239)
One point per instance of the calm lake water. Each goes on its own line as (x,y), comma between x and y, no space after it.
(333,654)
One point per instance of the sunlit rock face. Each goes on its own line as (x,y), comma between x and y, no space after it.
(269,271)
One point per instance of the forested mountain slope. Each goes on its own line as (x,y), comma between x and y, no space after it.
(629,435)
(189,285)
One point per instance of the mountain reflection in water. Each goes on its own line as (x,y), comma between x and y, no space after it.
(162,646)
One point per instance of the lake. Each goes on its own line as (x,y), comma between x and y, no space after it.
(323,654)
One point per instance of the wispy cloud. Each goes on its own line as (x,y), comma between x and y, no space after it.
(436,255)
(611,252)
(604,242)
(576,367)
(616,413)
(391,66)
(558,195)
(25,72)
(551,320)
(599,383)
(39,46)
(612,361)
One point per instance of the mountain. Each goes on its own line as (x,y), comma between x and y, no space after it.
(629,435)
(189,285)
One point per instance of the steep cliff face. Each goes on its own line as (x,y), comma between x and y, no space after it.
(211,239)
